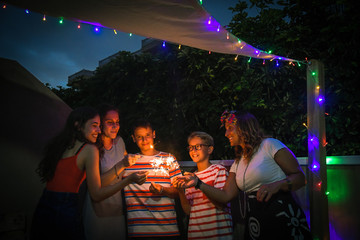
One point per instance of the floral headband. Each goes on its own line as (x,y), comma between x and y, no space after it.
(228,117)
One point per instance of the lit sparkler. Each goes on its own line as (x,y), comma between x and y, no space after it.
(163,165)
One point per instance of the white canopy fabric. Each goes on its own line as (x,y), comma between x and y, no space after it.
(183,22)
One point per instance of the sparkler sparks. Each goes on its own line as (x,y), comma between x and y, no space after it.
(163,165)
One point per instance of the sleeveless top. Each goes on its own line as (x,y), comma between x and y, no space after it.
(68,177)
(105,219)
(111,206)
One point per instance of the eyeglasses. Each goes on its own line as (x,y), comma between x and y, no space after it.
(197,147)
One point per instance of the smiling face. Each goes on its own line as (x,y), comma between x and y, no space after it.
(111,124)
(201,155)
(91,129)
(144,139)
(232,134)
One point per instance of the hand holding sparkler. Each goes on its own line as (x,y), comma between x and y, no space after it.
(156,188)
(130,159)
(188,180)
(138,177)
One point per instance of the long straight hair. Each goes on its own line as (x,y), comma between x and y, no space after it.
(65,140)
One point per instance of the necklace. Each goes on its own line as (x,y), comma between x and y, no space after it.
(243,213)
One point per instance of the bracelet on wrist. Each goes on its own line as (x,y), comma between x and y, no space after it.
(198,184)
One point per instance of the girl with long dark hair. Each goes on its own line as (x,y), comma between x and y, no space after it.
(69,158)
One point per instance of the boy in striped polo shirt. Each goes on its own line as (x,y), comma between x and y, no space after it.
(151,206)
(208,219)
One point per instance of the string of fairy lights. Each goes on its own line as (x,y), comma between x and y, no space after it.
(313,140)
(213,25)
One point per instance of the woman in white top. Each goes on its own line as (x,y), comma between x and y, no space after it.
(267,171)
(106,219)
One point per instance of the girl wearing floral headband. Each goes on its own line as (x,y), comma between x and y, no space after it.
(266,171)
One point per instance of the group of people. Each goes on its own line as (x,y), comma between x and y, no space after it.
(132,196)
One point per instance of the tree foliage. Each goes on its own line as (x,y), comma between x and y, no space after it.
(324,30)
(186,90)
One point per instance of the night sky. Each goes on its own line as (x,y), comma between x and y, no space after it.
(52,51)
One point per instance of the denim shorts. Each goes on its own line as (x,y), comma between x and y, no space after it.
(57,216)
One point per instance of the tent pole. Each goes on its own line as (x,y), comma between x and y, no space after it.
(319,216)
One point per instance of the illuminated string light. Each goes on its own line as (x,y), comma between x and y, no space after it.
(163,44)
(236,58)
(313,142)
(97,29)
(277,63)
(320,99)
(179,46)
(315,167)
(304,124)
